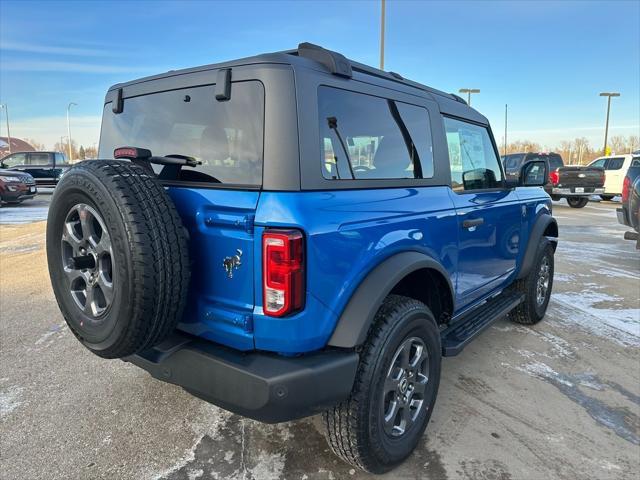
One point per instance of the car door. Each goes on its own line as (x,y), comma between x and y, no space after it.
(489,214)
(614,175)
(40,166)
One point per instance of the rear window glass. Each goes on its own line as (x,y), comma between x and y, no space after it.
(367,137)
(555,160)
(61,159)
(226,136)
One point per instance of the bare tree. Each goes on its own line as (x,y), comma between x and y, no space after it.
(38,146)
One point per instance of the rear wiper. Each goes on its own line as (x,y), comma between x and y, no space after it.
(144,158)
(333,125)
(144,155)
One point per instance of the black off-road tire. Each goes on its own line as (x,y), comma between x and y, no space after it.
(607,198)
(577,202)
(530,311)
(556,198)
(355,428)
(149,267)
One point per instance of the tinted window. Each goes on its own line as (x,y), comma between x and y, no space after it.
(226,137)
(474,164)
(598,163)
(39,159)
(15,160)
(555,161)
(379,138)
(635,162)
(512,162)
(615,163)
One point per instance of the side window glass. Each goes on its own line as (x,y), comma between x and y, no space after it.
(367,137)
(39,159)
(599,163)
(615,163)
(15,160)
(635,162)
(60,159)
(474,164)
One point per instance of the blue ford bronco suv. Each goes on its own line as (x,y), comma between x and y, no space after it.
(296,233)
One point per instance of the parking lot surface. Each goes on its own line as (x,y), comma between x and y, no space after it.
(560,400)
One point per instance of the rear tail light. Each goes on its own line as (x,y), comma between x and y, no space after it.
(282,272)
(626,186)
(554,177)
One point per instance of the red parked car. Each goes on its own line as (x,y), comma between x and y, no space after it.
(15,187)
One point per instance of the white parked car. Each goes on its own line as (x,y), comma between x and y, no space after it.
(615,167)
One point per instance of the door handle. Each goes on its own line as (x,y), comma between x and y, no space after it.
(472,223)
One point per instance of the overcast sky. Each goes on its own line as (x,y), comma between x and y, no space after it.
(547,60)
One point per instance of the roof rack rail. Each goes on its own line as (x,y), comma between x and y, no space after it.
(458,98)
(336,63)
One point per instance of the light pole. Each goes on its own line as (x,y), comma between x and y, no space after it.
(6,113)
(382,12)
(505,128)
(69,130)
(606,125)
(469,91)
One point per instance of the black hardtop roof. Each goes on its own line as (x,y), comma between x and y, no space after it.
(298,59)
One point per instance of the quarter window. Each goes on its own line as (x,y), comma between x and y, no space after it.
(615,163)
(367,137)
(473,160)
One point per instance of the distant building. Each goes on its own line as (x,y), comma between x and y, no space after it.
(17,145)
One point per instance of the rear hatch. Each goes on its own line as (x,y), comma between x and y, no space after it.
(216,199)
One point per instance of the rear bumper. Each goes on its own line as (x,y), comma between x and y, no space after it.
(266,387)
(571,192)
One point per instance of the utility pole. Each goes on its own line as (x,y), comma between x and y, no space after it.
(6,113)
(69,131)
(505,128)
(606,125)
(382,13)
(469,91)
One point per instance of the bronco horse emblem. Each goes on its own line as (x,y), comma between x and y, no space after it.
(232,263)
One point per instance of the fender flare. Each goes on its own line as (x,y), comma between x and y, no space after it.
(537,232)
(353,325)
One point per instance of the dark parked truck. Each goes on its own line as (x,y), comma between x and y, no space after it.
(45,167)
(295,234)
(573,182)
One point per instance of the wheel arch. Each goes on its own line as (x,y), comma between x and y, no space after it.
(398,274)
(545,226)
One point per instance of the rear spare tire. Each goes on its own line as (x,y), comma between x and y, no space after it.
(118,257)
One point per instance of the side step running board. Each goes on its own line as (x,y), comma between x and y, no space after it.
(457,336)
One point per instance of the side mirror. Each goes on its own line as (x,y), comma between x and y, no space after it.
(533,174)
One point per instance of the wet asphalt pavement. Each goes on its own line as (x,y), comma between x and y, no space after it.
(560,400)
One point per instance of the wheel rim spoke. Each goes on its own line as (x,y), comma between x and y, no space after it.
(404,387)
(106,288)
(91,285)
